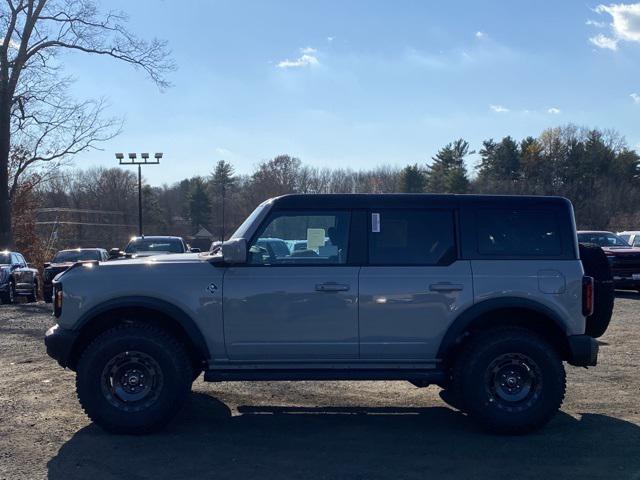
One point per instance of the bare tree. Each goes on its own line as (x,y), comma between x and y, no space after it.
(39,122)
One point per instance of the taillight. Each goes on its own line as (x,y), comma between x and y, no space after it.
(587,296)
(57,299)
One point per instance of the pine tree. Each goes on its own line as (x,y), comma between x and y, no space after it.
(412,179)
(448,173)
(223,183)
(199,203)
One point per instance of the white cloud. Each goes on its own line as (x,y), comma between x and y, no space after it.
(625,25)
(554,111)
(498,108)
(602,41)
(223,151)
(480,34)
(636,98)
(330,39)
(308,58)
(593,23)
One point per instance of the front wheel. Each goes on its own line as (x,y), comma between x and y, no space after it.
(34,293)
(510,380)
(133,379)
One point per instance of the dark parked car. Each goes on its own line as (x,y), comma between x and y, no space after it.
(17,278)
(156,245)
(623,258)
(63,260)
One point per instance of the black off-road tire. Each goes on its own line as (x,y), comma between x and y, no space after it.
(34,296)
(125,345)
(596,265)
(474,374)
(10,297)
(447,396)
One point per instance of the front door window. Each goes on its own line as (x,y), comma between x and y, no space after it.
(302,238)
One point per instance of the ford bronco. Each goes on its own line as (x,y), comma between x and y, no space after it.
(483,296)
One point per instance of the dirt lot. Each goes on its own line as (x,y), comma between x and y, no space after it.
(345,430)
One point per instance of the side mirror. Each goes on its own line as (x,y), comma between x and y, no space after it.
(194,250)
(234,251)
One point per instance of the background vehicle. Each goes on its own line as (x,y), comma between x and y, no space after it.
(623,258)
(17,278)
(631,237)
(63,260)
(484,296)
(154,245)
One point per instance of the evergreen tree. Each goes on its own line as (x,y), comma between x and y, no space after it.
(199,203)
(412,179)
(499,164)
(447,172)
(223,183)
(153,215)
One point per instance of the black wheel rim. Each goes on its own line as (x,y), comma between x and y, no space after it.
(132,381)
(514,382)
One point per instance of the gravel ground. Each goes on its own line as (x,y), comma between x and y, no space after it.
(314,430)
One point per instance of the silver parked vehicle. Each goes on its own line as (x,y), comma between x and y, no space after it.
(484,296)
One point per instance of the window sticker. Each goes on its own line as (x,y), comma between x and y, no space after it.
(375,222)
(315,238)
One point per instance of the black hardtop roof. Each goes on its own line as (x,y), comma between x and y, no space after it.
(410,200)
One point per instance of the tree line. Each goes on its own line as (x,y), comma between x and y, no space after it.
(594,168)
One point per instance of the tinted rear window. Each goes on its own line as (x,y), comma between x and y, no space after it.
(411,237)
(518,233)
(76,256)
(171,245)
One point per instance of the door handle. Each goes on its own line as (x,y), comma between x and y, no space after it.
(332,287)
(445,287)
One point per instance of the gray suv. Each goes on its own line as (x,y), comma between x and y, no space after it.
(484,296)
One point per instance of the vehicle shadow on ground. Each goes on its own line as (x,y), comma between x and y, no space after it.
(262,442)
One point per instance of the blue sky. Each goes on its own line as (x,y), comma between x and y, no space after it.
(361,84)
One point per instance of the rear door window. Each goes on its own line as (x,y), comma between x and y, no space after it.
(411,237)
(517,233)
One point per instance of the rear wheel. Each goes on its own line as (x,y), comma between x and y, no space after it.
(510,380)
(133,379)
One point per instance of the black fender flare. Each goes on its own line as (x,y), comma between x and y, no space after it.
(150,303)
(466,318)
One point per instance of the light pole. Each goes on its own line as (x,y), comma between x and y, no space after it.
(132,160)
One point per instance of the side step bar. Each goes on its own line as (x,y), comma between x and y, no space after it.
(419,376)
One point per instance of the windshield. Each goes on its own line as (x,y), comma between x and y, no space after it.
(242,229)
(5,259)
(68,256)
(171,245)
(602,239)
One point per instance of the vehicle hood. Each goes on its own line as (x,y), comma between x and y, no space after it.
(60,265)
(143,253)
(621,251)
(154,257)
